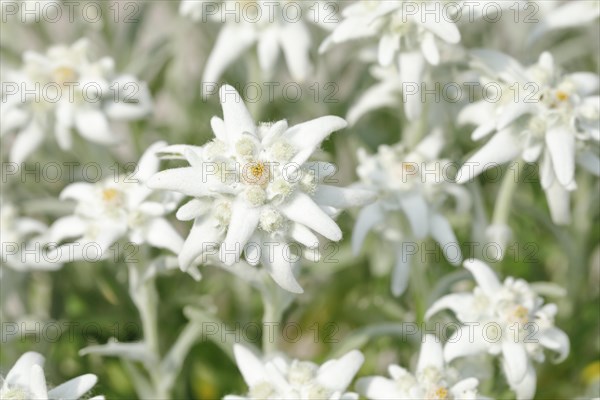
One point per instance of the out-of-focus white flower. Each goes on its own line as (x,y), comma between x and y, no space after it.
(432,380)
(271,25)
(543,115)
(64,90)
(194,9)
(255,191)
(385,93)
(279,378)
(413,186)
(555,15)
(26,380)
(506,319)
(407,35)
(400,26)
(23,240)
(114,208)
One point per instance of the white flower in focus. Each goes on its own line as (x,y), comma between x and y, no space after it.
(279,378)
(544,116)
(115,208)
(504,319)
(26,380)
(433,380)
(412,186)
(271,26)
(63,90)
(254,191)
(22,240)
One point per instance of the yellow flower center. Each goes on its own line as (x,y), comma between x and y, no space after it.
(257,170)
(562,96)
(110,195)
(520,314)
(441,393)
(256,173)
(63,75)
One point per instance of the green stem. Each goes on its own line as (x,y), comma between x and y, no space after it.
(271,318)
(505,195)
(144,295)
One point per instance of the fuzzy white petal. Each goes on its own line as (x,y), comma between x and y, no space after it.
(203,237)
(515,358)
(244,221)
(484,276)
(232,42)
(235,114)
(342,198)
(186,180)
(74,388)
(276,260)
(442,232)
(19,373)
(561,146)
(401,272)
(367,218)
(250,365)
(307,136)
(338,374)
(26,142)
(504,146)
(93,125)
(295,42)
(302,209)
(431,354)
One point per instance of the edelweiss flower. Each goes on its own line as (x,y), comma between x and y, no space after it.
(544,115)
(432,380)
(254,190)
(115,208)
(386,93)
(21,233)
(26,380)
(194,8)
(507,319)
(413,185)
(269,25)
(407,34)
(399,27)
(63,90)
(278,378)
(557,15)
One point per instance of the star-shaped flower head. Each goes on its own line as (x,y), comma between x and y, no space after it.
(26,380)
(412,187)
(407,35)
(401,26)
(543,115)
(64,90)
(433,379)
(114,208)
(254,190)
(271,26)
(505,319)
(557,15)
(278,378)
